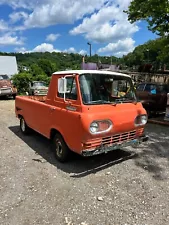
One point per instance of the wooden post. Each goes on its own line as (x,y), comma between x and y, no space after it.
(167,109)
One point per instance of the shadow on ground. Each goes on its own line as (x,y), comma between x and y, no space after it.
(154,155)
(6,98)
(78,166)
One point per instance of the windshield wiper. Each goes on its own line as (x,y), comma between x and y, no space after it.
(126,100)
(100,102)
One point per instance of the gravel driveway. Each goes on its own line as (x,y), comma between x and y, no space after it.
(125,187)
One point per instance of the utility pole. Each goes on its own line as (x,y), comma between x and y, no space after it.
(90,48)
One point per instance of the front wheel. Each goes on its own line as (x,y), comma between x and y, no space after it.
(60,148)
(24,127)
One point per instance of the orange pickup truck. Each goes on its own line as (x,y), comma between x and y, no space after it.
(86,111)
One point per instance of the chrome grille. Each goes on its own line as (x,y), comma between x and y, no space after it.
(117,138)
(5,90)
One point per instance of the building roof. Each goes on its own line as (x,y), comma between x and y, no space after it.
(90,71)
(8,65)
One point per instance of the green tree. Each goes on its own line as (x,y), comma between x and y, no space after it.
(36,70)
(46,66)
(155,12)
(154,52)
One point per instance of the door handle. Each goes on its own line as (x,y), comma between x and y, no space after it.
(52,108)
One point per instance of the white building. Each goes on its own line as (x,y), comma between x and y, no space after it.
(8,65)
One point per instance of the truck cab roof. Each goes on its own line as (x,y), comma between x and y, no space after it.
(90,71)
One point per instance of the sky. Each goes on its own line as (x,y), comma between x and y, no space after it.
(68,25)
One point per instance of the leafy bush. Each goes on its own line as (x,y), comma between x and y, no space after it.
(21,81)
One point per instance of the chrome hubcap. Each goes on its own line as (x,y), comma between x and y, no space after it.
(59,150)
(22,124)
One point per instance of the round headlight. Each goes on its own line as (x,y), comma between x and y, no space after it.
(94,127)
(140,120)
(143,119)
(100,126)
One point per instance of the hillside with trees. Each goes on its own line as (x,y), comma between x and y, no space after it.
(40,66)
(154,52)
(47,63)
(150,57)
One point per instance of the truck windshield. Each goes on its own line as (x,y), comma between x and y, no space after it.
(4,77)
(39,84)
(106,89)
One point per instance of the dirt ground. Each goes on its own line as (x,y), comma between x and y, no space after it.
(124,187)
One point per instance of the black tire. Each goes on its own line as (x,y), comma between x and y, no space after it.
(24,127)
(14,96)
(60,148)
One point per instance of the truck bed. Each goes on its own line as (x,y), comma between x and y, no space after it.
(36,98)
(35,112)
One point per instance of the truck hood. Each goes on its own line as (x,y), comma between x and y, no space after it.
(121,115)
(42,88)
(5,83)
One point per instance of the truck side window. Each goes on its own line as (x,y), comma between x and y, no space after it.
(162,89)
(151,88)
(71,89)
(140,87)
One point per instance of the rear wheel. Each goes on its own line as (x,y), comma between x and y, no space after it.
(24,127)
(60,148)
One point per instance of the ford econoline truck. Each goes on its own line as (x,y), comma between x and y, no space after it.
(85,111)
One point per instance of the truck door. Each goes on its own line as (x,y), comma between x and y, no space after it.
(141,95)
(152,96)
(68,110)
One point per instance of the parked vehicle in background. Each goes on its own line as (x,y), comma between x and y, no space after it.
(6,87)
(153,96)
(86,111)
(38,88)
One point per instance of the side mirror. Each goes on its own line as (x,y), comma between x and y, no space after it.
(62,85)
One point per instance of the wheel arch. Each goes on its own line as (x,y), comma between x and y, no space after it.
(55,131)
(20,116)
